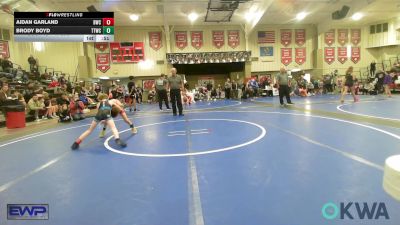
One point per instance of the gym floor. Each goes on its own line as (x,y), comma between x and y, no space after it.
(224,162)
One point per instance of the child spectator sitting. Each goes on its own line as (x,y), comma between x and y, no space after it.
(36,107)
(76,108)
(63,108)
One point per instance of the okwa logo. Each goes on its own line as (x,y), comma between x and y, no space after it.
(355,210)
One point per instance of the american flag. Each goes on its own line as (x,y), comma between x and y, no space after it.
(266,37)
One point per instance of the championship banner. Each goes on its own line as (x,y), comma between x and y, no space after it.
(218,38)
(342,54)
(330,37)
(300,37)
(101,46)
(4,51)
(266,37)
(286,56)
(329,55)
(233,38)
(181,39)
(300,55)
(355,54)
(286,37)
(103,62)
(196,38)
(343,36)
(355,36)
(155,40)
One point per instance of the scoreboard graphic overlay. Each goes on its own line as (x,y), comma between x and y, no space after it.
(64,26)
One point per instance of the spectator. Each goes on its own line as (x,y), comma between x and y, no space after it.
(20,98)
(372,68)
(36,107)
(139,94)
(209,87)
(235,89)
(228,88)
(7,65)
(150,96)
(97,89)
(132,93)
(63,108)
(4,93)
(32,63)
(253,87)
(76,108)
(219,90)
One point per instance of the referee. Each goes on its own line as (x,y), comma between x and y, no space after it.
(175,85)
(283,82)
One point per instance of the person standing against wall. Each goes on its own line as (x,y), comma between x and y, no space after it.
(132,93)
(175,85)
(161,89)
(283,83)
(234,89)
(228,88)
(372,68)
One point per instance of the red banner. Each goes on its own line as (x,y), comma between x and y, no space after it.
(329,55)
(103,62)
(300,36)
(300,55)
(343,36)
(4,51)
(181,39)
(196,38)
(286,56)
(286,37)
(155,40)
(330,37)
(101,46)
(342,54)
(218,38)
(233,38)
(355,54)
(355,36)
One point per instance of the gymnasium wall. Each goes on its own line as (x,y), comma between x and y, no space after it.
(65,56)
(62,56)
(274,63)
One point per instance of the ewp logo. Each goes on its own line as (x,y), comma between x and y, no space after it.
(375,211)
(27,212)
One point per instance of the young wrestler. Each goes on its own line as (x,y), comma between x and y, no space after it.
(103,114)
(118,108)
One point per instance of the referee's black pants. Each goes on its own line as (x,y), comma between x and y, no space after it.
(284,90)
(176,100)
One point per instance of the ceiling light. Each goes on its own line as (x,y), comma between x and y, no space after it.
(193,16)
(356,16)
(249,16)
(301,16)
(134,17)
(104,78)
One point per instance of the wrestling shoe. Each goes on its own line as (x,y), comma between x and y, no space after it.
(102,133)
(120,143)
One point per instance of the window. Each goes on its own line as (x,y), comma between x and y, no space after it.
(385,27)
(372,29)
(378,28)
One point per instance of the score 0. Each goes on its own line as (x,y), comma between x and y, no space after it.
(108,21)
